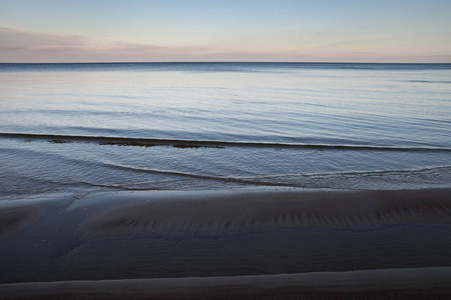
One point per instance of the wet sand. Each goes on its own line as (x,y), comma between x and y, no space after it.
(427,283)
(267,242)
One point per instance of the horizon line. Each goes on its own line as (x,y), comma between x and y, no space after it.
(252,62)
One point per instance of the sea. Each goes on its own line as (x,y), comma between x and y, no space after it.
(82,128)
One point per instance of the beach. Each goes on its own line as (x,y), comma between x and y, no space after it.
(225,180)
(225,149)
(273,243)
(425,283)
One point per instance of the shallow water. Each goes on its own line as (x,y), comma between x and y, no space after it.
(358,126)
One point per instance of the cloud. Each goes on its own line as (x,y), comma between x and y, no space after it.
(357,42)
(10,47)
(26,46)
(27,39)
(134,47)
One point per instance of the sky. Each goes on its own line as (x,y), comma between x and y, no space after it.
(395,31)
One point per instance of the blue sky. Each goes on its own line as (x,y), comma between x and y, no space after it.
(321,30)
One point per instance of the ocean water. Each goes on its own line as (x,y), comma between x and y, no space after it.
(78,128)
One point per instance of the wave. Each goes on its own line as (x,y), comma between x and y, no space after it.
(366,173)
(276,180)
(149,142)
(429,81)
(199,176)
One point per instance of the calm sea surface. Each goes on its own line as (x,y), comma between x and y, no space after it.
(333,126)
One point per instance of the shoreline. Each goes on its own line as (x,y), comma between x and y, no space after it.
(138,239)
(370,284)
(219,213)
(177,143)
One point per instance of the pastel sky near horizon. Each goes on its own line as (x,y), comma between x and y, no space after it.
(176,30)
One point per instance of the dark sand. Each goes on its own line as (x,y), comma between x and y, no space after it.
(424,283)
(283,243)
